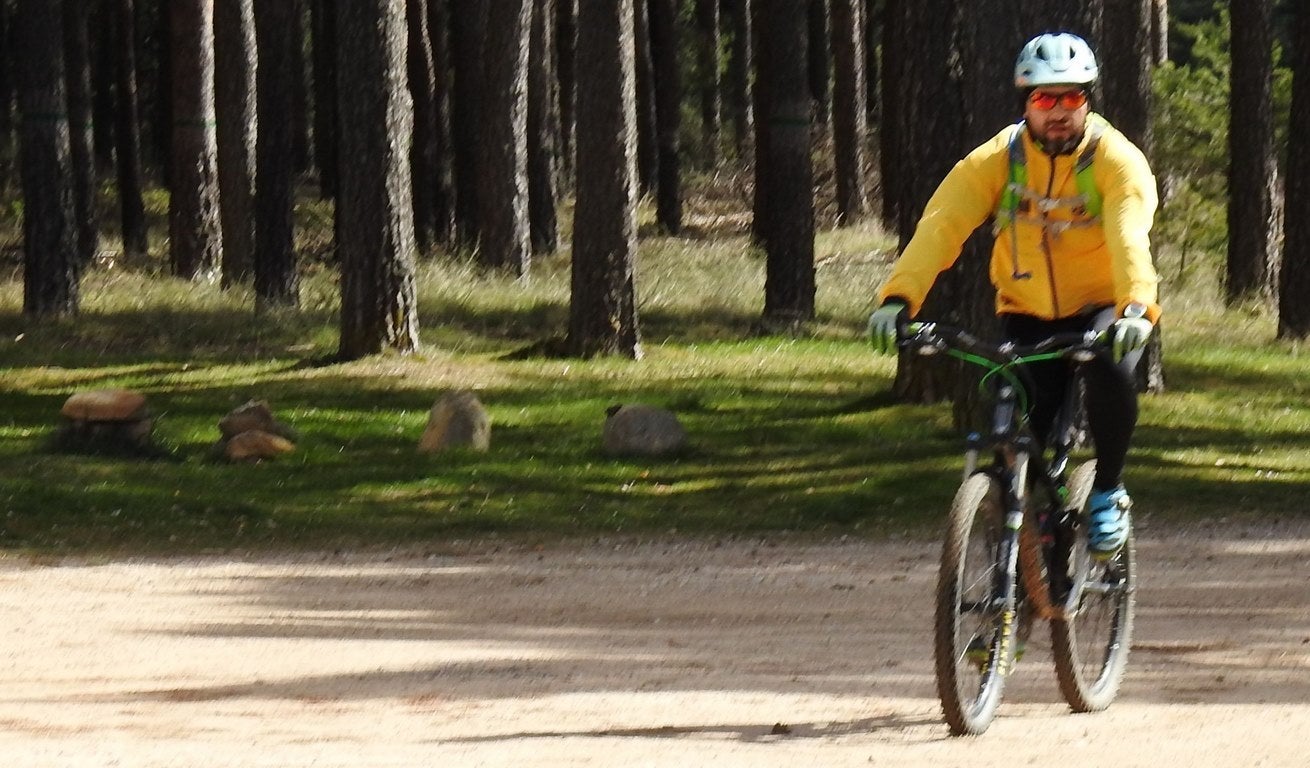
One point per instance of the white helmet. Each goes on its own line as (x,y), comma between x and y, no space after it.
(1055,59)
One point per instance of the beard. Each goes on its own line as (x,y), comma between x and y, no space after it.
(1058,146)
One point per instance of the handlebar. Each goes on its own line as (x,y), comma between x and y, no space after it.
(932,338)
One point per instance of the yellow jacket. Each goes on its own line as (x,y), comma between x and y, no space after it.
(1071,271)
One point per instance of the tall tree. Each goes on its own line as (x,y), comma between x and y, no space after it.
(707,61)
(1294,276)
(235,87)
(664,46)
(566,34)
(467,33)
(820,59)
(425,150)
(602,309)
(77,62)
(789,285)
(50,262)
(1159,31)
(100,31)
(739,75)
(127,130)
(1126,76)
(323,21)
(648,150)
(276,281)
(6,92)
(1126,79)
(543,129)
(850,126)
(375,214)
(194,230)
(444,193)
(503,176)
(1252,169)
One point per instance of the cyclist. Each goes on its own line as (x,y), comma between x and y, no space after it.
(1072,201)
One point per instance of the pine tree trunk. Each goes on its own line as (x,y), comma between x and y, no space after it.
(789,285)
(566,35)
(1294,279)
(424,151)
(543,129)
(602,309)
(648,149)
(276,280)
(707,58)
(77,62)
(235,88)
(850,129)
(194,228)
(50,260)
(1252,170)
(668,113)
(503,191)
(102,85)
(739,77)
(820,60)
(324,30)
(468,29)
(444,199)
(128,131)
(375,224)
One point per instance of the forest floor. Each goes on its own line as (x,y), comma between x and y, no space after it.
(773,652)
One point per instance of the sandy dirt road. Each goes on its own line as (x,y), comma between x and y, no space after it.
(620,653)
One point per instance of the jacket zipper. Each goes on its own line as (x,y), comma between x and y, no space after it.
(1046,244)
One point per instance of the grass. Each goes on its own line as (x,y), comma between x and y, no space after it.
(787,434)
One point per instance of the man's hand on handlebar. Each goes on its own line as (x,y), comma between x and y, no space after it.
(883,325)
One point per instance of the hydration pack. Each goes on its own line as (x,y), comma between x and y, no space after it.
(1020,203)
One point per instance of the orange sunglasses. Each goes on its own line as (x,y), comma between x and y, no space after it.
(1070,100)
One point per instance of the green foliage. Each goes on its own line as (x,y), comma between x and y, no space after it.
(1191,148)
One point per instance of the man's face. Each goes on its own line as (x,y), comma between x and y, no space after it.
(1057,116)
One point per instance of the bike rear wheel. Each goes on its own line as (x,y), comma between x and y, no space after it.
(1091,642)
(974,637)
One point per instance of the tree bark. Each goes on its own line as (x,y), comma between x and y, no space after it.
(503,190)
(668,112)
(194,228)
(739,77)
(648,149)
(77,61)
(566,35)
(425,148)
(127,131)
(468,29)
(277,283)
(850,129)
(375,223)
(789,285)
(707,58)
(543,130)
(820,60)
(444,191)
(235,87)
(1252,170)
(602,309)
(1126,76)
(1294,278)
(50,260)
(324,31)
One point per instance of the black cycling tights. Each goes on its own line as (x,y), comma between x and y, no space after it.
(1111,389)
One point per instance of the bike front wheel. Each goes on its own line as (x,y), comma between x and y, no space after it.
(1091,642)
(974,637)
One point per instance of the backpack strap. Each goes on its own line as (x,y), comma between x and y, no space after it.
(1083,168)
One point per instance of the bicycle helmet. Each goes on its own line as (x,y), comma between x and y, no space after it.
(1055,59)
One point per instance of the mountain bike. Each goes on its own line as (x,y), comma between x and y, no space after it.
(1015,547)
